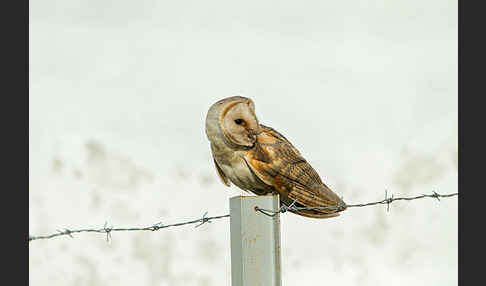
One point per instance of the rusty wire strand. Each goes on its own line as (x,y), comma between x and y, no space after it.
(204,219)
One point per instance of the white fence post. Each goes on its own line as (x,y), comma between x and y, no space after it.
(255,242)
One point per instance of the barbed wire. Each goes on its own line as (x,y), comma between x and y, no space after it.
(108,230)
(387,200)
(205,219)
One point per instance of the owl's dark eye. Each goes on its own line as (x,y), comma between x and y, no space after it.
(239,121)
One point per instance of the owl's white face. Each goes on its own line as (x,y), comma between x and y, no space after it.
(233,118)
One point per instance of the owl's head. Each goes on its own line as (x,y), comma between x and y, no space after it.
(233,118)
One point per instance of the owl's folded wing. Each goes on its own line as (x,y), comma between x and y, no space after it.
(279,164)
(221,175)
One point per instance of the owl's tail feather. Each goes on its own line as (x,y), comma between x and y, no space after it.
(331,204)
(314,214)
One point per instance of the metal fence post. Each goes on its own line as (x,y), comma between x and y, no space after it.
(255,242)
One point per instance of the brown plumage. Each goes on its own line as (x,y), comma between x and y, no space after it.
(257,158)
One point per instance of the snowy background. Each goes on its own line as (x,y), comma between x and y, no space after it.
(366,90)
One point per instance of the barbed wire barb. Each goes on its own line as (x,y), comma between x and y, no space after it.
(156,226)
(388,200)
(107,231)
(205,219)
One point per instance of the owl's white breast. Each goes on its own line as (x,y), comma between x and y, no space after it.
(234,166)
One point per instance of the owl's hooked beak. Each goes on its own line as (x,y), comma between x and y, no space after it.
(253,133)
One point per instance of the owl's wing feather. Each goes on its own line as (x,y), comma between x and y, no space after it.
(221,175)
(276,162)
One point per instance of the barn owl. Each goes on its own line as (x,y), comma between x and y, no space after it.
(258,159)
